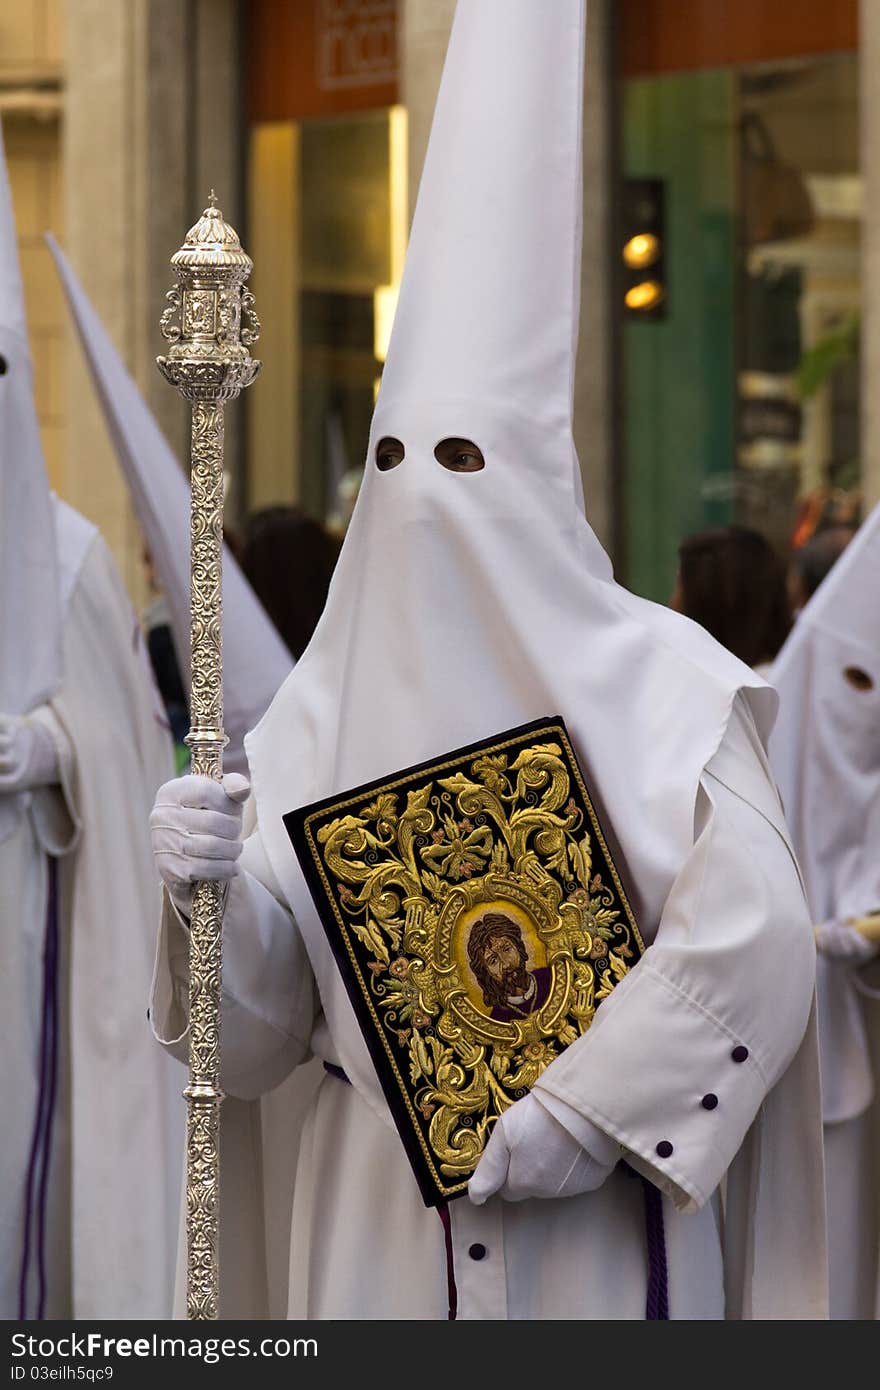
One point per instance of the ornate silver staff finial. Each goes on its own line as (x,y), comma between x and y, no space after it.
(210,324)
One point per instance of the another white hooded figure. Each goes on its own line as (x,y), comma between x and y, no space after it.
(470,597)
(825,752)
(92,1119)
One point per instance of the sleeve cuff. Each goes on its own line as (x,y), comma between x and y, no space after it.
(54,808)
(711,1089)
(593,1140)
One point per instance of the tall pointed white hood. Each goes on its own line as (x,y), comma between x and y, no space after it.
(825,754)
(30,614)
(255,659)
(467,602)
(489,304)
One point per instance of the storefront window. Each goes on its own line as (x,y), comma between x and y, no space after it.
(345,255)
(740,372)
(327,225)
(798,398)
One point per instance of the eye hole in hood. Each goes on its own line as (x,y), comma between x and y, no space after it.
(459,456)
(858,679)
(389,453)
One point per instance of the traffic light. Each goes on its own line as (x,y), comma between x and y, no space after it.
(643,249)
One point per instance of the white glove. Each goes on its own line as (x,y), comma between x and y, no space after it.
(195,827)
(843,942)
(28,756)
(530,1154)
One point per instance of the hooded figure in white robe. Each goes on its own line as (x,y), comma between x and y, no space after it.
(825,752)
(93,1121)
(471,596)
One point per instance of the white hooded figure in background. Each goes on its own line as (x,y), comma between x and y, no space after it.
(92,1116)
(825,752)
(470,597)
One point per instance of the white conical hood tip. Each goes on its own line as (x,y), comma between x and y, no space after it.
(30,620)
(489,302)
(12,313)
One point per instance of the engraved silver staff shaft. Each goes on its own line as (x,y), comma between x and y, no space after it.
(210,324)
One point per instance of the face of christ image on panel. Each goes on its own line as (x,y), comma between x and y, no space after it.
(498,957)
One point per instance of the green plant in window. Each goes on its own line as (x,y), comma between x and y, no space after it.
(819,363)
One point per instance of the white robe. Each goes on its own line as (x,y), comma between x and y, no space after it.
(113,1183)
(825,752)
(732,966)
(849,1053)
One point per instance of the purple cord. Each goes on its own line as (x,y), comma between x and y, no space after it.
(42,1135)
(452,1291)
(36,1146)
(332,1070)
(52,1012)
(657,1303)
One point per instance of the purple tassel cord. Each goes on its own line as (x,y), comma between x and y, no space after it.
(34,1216)
(452,1291)
(657,1303)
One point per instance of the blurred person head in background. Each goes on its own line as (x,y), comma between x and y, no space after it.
(732,583)
(156,622)
(288,557)
(809,564)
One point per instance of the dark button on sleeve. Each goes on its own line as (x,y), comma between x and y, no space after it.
(664,1148)
(709,1101)
(740,1053)
(478,1252)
